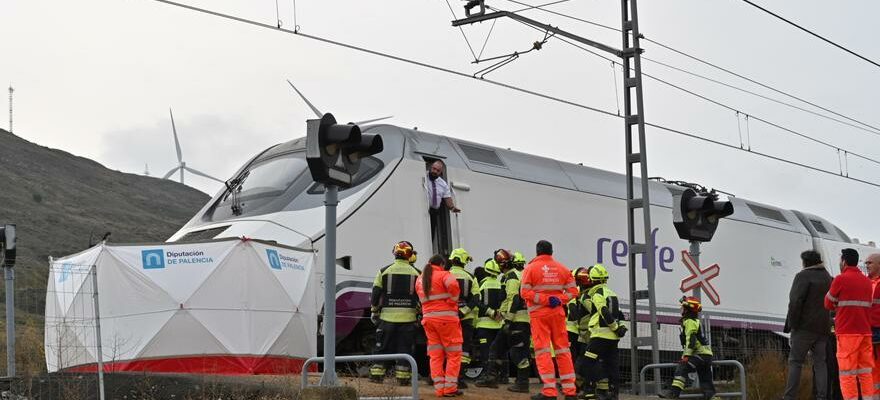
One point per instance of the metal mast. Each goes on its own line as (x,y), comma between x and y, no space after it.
(10,107)
(637,194)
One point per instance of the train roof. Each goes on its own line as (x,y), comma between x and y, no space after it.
(487,159)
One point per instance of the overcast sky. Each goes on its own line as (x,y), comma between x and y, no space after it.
(97,77)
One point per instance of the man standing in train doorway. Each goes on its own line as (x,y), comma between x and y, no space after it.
(439,200)
(850,297)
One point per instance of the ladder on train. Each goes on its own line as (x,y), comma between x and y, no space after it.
(637,193)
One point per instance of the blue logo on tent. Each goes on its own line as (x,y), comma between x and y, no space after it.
(274,260)
(65,272)
(153,259)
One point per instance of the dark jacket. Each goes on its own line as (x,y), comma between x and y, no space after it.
(806,311)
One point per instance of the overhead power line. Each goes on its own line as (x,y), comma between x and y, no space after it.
(716,102)
(826,40)
(504,85)
(873,129)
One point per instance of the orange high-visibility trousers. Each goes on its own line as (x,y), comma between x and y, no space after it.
(855,360)
(549,333)
(444,347)
(875,372)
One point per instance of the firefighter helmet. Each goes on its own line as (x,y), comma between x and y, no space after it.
(502,257)
(461,255)
(598,273)
(691,303)
(582,276)
(492,267)
(414,257)
(403,250)
(519,260)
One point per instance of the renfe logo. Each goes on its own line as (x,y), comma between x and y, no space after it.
(280,261)
(153,259)
(619,251)
(274,261)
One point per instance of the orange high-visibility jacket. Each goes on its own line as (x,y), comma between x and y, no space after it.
(442,302)
(875,303)
(851,296)
(544,278)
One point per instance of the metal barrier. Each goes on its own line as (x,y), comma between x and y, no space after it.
(377,357)
(737,364)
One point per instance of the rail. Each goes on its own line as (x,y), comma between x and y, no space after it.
(377,357)
(742,379)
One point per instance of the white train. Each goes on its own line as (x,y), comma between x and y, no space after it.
(511,200)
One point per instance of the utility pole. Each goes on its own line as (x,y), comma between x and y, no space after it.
(10,107)
(637,194)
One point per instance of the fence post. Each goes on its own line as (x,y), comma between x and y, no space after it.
(99,350)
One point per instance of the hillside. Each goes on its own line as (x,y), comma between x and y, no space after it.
(61,202)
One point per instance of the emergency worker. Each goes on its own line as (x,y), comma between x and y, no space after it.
(696,354)
(513,336)
(547,286)
(490,318)
(850,297)
(872,264)
(468,303)
(438,293)
(394,307)
(575,313)
(606,329)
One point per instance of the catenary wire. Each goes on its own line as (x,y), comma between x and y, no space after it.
(501,84)
(826,40)
(874,129)
(716,102)
(462,31)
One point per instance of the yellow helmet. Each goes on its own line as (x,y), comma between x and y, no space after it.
(598,274)
(461,255)
(518,259)
(492,267)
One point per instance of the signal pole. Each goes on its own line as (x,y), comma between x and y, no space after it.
(637,194)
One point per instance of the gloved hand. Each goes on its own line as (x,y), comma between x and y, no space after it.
(684,359)
(621,331)
(374,317)
(555,302)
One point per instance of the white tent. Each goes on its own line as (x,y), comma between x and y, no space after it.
(226,307)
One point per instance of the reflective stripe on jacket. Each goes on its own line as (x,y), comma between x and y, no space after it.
(470,292)
(491,298)
(394,292)
(442,302)
(606,312)
(875,304)
(851,297)
(544,278)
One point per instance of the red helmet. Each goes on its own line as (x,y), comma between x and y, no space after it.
(403,250)
(582,276)
(691,303)
(502,257)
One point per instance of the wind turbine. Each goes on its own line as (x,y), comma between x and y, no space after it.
(319,114)
(181,166)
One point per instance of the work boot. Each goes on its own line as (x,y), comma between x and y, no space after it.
(462,384)
(453,394)
(668,394)
(540,396)
(406,382)
(487,379)
(377,378)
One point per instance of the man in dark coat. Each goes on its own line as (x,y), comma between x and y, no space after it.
(809,324)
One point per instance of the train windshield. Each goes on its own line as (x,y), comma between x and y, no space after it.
(279,180)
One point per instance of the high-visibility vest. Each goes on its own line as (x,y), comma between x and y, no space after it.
(606,313)
(394,292)
(513,307)
(491,297)
(692,339)
(470,292)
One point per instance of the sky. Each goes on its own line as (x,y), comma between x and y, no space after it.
(96,78)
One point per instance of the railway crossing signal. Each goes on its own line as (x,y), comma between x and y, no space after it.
(700,278)
(696,215)
(334,151)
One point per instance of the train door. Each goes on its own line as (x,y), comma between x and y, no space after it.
(440,219)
